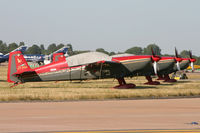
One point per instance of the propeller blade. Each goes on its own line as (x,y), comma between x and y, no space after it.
(155,67)
(190,53)
(192,65)
(152,51)
(176,52)
(178,65)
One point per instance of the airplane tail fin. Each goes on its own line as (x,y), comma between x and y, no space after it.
(21,48)
(63,50)
(58,57)
(16,65)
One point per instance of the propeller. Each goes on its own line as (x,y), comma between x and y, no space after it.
(176,53)
(178,60)
(152,51)
(155,67)
(155,60)
(192,60)
(178,65)
(190,54)
(192,65)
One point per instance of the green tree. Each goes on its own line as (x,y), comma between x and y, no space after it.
(21,44)
(51,48)
(43,51)
(147,50)
(35,49)
(197,60)
(12,46)
(167,55)
(70,50)
(60,46)
(112,53)
(134,50)
(3,47)
(185,54)
(102,51)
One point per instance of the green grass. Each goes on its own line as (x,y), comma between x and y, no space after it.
(93,89)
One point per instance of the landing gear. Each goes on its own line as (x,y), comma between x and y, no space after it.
(167,79)
(123,84)
(150,81)
(161,77)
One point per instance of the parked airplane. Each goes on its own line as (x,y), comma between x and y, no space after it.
(182,65)
(39,58)
(91,65)
(162,66)
(4,58)
(165,66)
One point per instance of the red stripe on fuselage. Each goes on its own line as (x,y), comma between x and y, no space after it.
(185,58)
(130,58)
(54,66)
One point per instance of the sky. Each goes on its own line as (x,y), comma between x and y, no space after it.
(114,25)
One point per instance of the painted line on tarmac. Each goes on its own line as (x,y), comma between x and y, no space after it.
(136,131)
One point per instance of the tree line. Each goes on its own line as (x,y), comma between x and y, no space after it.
(40,49)
(34,49)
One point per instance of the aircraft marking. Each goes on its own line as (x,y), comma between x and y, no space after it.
(135,59)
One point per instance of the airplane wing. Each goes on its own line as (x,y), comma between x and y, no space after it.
(97,64)
(87,58)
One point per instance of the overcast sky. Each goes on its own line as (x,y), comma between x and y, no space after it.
(114,25)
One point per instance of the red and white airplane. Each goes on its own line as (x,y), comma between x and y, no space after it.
(91,65)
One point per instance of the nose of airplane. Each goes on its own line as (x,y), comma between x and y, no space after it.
(192,60)
(178,59)
(156,58)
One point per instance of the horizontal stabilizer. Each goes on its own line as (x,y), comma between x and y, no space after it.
(23,73)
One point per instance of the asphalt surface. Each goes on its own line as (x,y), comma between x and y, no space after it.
(140,131)
(112,116)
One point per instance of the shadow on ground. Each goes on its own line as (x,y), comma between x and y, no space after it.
(145,87)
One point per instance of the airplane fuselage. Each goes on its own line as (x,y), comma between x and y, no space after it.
(60,70)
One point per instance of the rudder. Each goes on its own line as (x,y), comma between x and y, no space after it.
(16,65)
(58,57)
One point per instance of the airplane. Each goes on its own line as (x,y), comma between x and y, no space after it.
(39,58)
(182,64)
(165,66)
(4,58)
(90,65)
(188,61)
